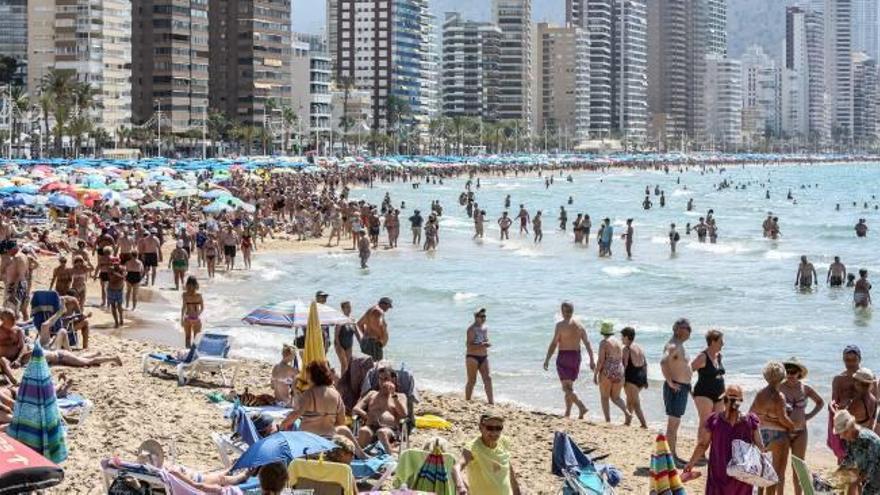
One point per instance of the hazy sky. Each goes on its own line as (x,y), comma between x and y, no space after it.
(308,15)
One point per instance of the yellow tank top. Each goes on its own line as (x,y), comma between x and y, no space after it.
(489,472)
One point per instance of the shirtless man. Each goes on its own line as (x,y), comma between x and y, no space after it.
(373,329)
(806,275)
(861,228)
(14,268)
(230,242)
(392,225)
(284,376)
(673,238)
(768,224)
(836,273)
(505,222)
(12,342)
(628,238)
(567,337)
(382,410)
(150,252)
(563,218)
(536,226)
(677,386)
(843,386)
(523,217)
(479,223)
(363,244)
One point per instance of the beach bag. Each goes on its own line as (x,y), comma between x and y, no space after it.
(749,465)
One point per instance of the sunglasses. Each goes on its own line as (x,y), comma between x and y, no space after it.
(733,400)
(494,428)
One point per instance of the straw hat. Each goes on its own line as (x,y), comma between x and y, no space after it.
(607,328)
(794,361)
(843,421)
(864,375)
(151,452)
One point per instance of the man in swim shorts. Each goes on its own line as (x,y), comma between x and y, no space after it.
(373,329)
(149,249)
(806,274)
(677,387)
(567,337)
(836,273)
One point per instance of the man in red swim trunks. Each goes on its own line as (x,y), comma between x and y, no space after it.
(568,337)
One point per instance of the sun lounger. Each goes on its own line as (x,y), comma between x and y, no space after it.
(74,410)
(209,356)
(582,476)
(161,481)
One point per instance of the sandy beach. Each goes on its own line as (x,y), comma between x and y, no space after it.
(130,407)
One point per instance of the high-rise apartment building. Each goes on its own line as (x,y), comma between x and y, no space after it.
(629,70)
(249,58)
(866,100)
(805,100)
(761,79)
(14,35)
(562,87)
(170,62)
(618,34)
(838,66)
(40,43)
(681,35)
(471,57)
(429,93)
(866,27)
(514,17)
(311,73)
(93,41)
(722,97)
(380,48)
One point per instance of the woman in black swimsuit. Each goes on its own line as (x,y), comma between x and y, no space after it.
(635,374)
(710,376)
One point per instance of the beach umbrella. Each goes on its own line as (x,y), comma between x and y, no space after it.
(36,421)
(284,446)
(56,186)
(62,201)
(23,470)
(664,475)
(433,476)
(215,193)
(19,199)
(293,313)
(119,185)
(157,205)
(134,194)
(314,347)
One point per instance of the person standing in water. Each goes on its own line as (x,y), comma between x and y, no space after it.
(415,222)
(523,217)
(567,337)
(477,356)
(806,275)
(563,218)
(607,236)
(628,238)
(836,273)
(505,222)
(862,290)
(537,227)
(673,238)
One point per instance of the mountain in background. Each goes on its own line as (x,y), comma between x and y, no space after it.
(760,22)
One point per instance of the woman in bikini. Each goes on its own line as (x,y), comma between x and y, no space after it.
(609,372)
(102,272)
(796,394)
(320,408)
(78,280)
(477,357)
(710,377)
(247,244)
(178,262)
(134,275)
(191,310)
(863,405)
(776,425)
(211,250)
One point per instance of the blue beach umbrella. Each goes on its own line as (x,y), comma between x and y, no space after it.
(293,313)
(62,201)
(283,446)
(36,421)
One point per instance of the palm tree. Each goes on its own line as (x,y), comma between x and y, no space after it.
(18,105)
(246,134)
(218,129)
(79,126)
(289,118)
(266,136)
(57,87)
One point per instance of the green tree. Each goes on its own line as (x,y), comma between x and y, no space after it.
(289,118)
(18,107)
(58,86)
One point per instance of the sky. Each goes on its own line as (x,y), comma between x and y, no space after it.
(309,15)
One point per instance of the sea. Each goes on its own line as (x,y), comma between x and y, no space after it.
(742,285)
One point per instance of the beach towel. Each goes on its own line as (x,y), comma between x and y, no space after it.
(322,472)
(664,475)
(571,463)
(489,472)
(44,304)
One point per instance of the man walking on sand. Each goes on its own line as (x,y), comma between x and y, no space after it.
(567,337)
(677,387)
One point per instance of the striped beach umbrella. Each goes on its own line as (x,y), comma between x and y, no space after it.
(36,421)
(664,475)
(293,313)
(433,476)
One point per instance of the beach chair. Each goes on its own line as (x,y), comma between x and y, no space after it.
(74,409)
(322,477)
(406,384)
(148,475)
(807,481)
(208,356)
(230,446)
(581,475)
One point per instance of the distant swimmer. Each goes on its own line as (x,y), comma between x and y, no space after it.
(505,222)
(628,238)
(862,291)
(606,236)
(673,238)
(662,199)
(479,221)
(563,218)
(850,279)
(507,201)
(586,225)
(690,206)
(646,204)
(836,273)
(713,231)
(537,226)
(571,200)
(767,195)
(837,207)
(768,224)
(567,338)
(861,228)
(702,229)
(523,217)
(806,274)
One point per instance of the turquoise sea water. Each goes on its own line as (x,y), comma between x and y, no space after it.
(742,285)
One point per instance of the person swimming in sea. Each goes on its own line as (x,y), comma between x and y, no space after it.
(862,290)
